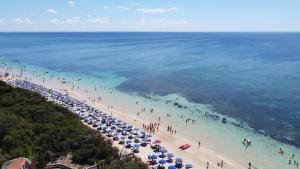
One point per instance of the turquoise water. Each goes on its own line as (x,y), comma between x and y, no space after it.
(251,77)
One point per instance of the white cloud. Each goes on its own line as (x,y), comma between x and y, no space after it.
(123,7)
(2,21)
(22,21)
(56,21)
(71,3)
(80,21)
(161,23)
(52,11)
(156,10)
(99,20)
(105,7)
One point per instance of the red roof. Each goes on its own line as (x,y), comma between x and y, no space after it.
(16,164)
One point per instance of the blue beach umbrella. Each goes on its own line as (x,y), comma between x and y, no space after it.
(163,150)
(172,167)
(137,145)
(188,165)
(153,157)
(162,161)
(170,155)
(178,160)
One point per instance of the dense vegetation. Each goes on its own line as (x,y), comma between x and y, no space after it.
(42,131)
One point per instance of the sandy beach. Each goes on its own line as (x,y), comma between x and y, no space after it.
(200,157)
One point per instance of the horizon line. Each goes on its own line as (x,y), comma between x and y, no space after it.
(149,31)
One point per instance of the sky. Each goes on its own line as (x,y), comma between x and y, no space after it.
(150,15)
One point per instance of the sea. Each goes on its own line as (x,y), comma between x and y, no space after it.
(249,80)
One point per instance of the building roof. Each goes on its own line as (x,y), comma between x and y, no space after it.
(16,163)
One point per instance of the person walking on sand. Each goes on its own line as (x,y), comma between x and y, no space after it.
(207,165)
(199,143)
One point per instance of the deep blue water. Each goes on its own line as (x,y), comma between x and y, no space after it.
(254,77)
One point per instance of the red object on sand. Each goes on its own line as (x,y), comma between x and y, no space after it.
(186,147)
(183,145)
(158,140)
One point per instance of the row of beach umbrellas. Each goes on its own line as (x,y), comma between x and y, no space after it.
(119,130)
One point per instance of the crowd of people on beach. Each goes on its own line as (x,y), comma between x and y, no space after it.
(171,130)
(151,127)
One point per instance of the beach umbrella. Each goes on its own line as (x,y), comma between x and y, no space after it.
(163,150)
(170,155)
(178,160)
(127,129)
(152,153)
(189,165)
(153,157)
(158,140)
(136,135)
(172,167)
(123,137)
(137,145)
(128,141)
(154,142)
(162,161)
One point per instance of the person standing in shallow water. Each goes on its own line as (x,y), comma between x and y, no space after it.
(199,143)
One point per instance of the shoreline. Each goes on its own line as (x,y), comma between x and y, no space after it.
(204,153)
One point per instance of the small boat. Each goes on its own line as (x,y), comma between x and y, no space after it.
(186,147)
(183,145)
